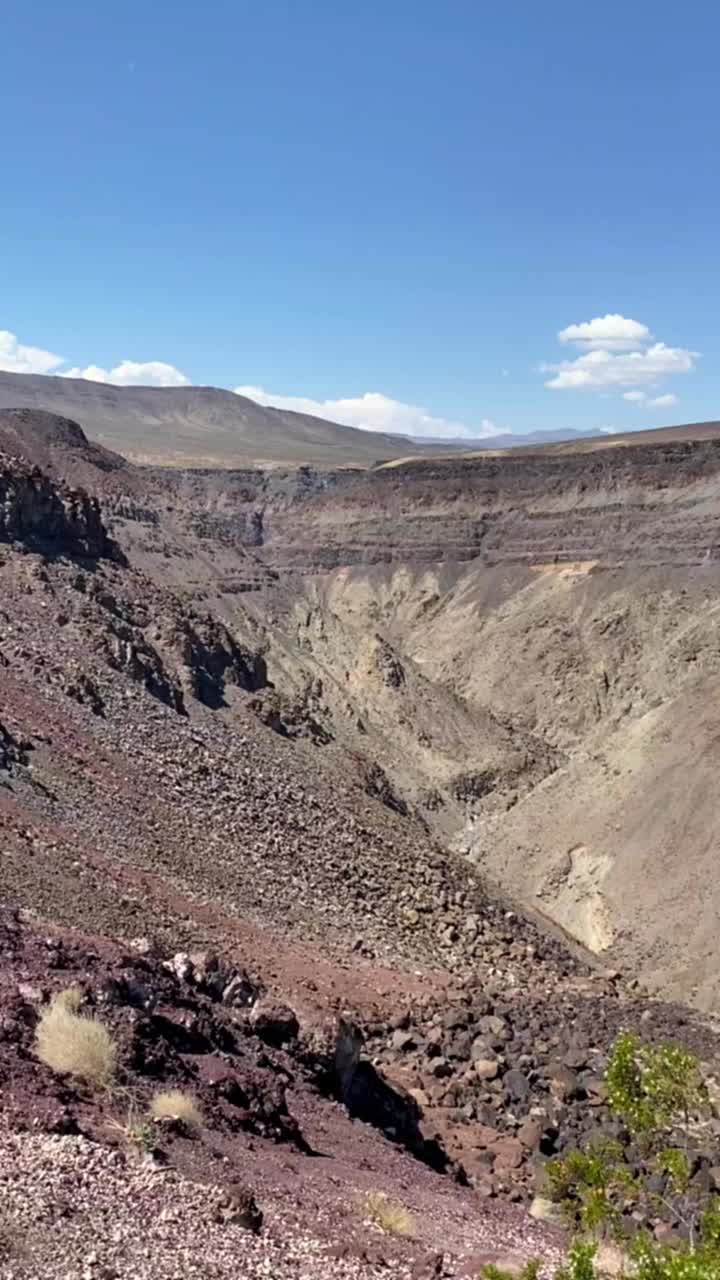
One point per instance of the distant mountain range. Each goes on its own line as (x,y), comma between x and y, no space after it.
(198,426)
(210,427)
(511,440)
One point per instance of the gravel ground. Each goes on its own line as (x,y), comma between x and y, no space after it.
(71,1210)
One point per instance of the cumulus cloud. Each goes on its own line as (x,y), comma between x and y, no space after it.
(372,412)
(130,373)
(617,352)
(603,369)
(17,358)
(663,402)
(611,333)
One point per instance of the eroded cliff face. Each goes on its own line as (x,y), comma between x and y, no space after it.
(615,671)
(656,503)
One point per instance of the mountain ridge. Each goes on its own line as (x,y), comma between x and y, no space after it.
(201,427)
(195,426)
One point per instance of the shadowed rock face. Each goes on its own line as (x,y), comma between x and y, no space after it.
(11,752)
(42,514)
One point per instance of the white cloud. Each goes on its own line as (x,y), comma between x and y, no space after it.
(650,402)
(617,352)
(611,333)
(372,412)
(600,368)
(16,358)
(129,373)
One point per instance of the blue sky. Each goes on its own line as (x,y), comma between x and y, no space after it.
(387,208)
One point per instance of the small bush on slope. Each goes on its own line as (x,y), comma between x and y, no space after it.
(139,1134)
(387,1215)
(69,1042)
(174,1104)
(657,1093)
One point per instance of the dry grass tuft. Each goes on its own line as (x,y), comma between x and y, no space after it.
(70,1043)
(138,1134)
(390,1217)
(70,999)
(175,1104)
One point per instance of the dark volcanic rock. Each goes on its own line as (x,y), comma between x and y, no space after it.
(49,516)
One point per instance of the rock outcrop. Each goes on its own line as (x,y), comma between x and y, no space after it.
(49,516)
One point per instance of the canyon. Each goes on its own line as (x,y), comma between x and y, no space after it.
(517,652)
(425,749)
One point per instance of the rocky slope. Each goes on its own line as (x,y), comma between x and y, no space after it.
(297,1130)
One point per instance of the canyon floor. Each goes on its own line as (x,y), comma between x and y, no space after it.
(368,804)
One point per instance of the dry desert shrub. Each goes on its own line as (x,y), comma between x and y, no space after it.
(386,1214)
(71,1043)
(175,1104)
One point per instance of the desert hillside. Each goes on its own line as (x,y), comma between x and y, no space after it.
(197,426)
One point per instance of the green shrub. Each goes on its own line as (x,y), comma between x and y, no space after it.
(657,1093)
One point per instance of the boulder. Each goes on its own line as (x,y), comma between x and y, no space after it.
(544,1210)
(508,1155)
(481,1048)
(275,1023)
(563,1081)
(486,1068)
(237,1204)
(516,1085)
(402,1041)
(240,992)
(530,1133)
(493,1025)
